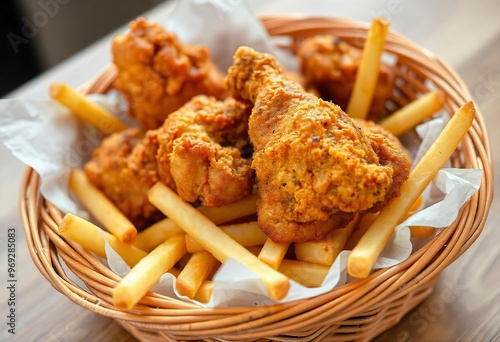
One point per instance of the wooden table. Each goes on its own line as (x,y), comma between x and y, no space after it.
(464,306)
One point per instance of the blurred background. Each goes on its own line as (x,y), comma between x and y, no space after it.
(34,36)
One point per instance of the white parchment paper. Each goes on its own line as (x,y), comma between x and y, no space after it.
(45,136)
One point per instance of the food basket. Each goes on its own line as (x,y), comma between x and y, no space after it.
(359,310)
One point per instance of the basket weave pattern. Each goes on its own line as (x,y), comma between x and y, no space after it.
(359,310)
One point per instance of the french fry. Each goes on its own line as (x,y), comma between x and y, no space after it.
(101,207)
(368,249)
(307,274)
(147,272)
(416,205)
(367,219)
(325,251)
(368,70)
(204,292)
(413,113)
(214,240)
(244,207)
(246,234)
(87,235)
(85,110)
(198,268)
(413,209)
(255,250)
(421,231)
(183,261)
(273,252)
(360,229)
(152,236)
(174,271)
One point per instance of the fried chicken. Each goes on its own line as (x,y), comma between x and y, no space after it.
(314,167)
(157,74)
(124,168)
(200,151)
(390,153)
(329,67)
(197,152)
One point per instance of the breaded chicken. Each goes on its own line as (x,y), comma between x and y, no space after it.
(200,151)
(314,167)
(124,168)
(329,67)
(390,153)
(157,74)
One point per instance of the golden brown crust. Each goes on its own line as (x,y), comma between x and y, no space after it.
(199,151)
(311,160)
(196,152)
(124,168)
(390,153)
(329,67)
(158,74)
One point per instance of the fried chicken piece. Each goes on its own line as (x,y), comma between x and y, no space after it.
(390,153)
(314,167)
(157,74)
(200,151)
(330,66)
(124,168)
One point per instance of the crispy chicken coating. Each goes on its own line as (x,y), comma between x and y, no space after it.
(157,74)
(390,153)
(329,67)
(314,167)
(124,168)
(200,151)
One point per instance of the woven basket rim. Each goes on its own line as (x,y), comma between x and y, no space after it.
(412,278)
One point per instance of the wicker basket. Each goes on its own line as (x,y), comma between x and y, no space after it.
(359,310)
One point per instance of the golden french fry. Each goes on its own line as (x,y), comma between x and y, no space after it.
(413,113)
(413,209)
(255,250)
(198,268)
(85,110)
(184,260)
(213,239)
(246,234)
(273,252)
(360,229)
(174,271)
(147,272)
(307,274)
(152,236)
(204,292)
(325,251)
(367,219)
(87,235)
(421,231)
(368,249)
(416,205)
(244,207)
(101,207)
(368,70)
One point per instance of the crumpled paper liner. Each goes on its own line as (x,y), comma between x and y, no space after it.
(45,136)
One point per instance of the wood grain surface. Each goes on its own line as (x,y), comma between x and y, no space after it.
(466,302)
